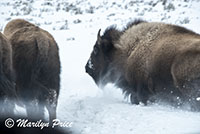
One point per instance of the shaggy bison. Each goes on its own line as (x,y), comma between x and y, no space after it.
(37,66)
(147,59)
(7,86)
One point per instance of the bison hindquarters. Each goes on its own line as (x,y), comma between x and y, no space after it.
(37,65)
(186,75)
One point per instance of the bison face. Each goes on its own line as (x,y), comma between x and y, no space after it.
(98,63)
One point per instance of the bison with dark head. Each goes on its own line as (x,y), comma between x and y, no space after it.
(37,66)
(7,83)
(99,62)
(148,59)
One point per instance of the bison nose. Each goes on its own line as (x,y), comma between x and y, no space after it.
(88,69)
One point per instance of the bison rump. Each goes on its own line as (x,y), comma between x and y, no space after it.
(37,66)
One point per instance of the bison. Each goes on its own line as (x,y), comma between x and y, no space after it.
(37,66)
(7,81)
(148,59)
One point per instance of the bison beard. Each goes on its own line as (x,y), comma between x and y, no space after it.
(37,66)
(149,61)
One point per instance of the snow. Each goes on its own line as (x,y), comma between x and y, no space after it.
(74,25)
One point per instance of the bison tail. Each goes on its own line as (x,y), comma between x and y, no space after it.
(42,47)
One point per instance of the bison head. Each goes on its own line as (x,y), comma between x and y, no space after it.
(99,63)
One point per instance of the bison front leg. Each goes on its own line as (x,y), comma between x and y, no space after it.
(134,98)
(143,93)
(140,95)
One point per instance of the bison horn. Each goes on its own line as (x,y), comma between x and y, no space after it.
(99,36)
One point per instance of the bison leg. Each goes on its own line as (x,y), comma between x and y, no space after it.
(35,111)
(134,99)
(142,93)
(52,113)
(51,104)
(8,96)
(35,108)
(185,71)
(7,107)
(34,102)
(49,100)
(32,109)
(41,111)
(192,94)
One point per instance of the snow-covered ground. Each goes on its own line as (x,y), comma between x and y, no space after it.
(74,25)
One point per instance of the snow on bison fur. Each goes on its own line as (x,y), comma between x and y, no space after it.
(37,66)
(148,59)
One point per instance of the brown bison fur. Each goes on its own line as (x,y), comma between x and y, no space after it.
(7,85)
(37,66)
(146,59)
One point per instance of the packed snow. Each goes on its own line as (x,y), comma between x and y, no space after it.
(74,25)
